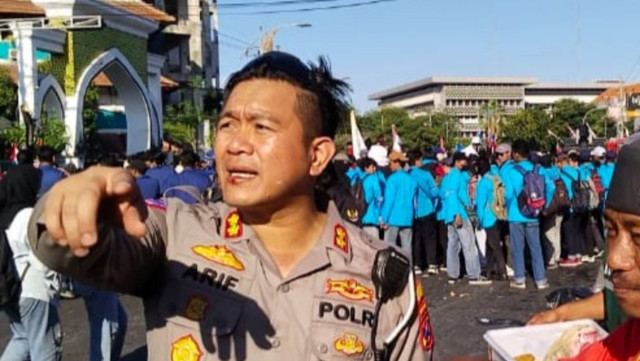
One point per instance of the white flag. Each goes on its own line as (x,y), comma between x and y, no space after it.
(359,148)
(397,141)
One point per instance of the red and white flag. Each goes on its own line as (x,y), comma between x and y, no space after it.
(397,141)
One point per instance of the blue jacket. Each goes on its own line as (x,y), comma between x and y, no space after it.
(188,177)
(50,176)
(400,195)
(484,202)
(455,195)
(513,182)
(160,173)
(550,176)
(570,174)
(149,187)
(427,191)
(354,174)
(606,173)
(373,198)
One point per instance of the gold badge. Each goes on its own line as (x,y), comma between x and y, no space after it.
(219,254)
(349,344)
(340,238)
(185,349)
(352,215)
(349,289)
(196,308)
(233,225)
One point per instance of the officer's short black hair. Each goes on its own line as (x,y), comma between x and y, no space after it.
(189,158)
(520,147)
(46,154)
(323,96)
(366,162)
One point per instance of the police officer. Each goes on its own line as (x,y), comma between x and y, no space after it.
(267,276)
(190,176)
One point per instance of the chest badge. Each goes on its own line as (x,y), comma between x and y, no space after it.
(233,225)
(349,289)
(185,349)
(349,344)
(340,238)
(196,308)
(219,254)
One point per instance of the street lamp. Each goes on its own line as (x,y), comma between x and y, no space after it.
(267,37)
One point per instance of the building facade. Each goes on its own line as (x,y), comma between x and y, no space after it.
(466,97)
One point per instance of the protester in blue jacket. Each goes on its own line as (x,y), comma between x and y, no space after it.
(372,197)
(495,262)
(521,228)
(455,197)
(425,224)
(190,176)
(572,230)
(354,173)
(160,171)
(398,209)
(550,233)
(50,174)
(149,187)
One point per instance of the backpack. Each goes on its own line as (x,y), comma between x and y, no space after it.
(597,184)
(582,194)
(498,206)
(560,201)
(357,190)
(531,200)
(9,278)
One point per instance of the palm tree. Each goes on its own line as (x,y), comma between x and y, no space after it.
(490,117)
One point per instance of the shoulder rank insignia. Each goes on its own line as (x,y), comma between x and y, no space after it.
(185,349)
(340,238)
(233,225)
(426,332)
(349,344)
(349,289)
(219,254)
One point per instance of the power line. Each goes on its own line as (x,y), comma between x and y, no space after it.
(231,37)
(333,7)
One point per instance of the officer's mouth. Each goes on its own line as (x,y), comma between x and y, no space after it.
(238,175)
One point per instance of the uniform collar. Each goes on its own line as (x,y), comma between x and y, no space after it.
(333,244)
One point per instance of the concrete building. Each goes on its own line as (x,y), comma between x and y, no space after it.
(464,97)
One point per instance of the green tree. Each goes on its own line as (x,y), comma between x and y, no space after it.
(8,95)
(532,125)
(571,112)
(181,121)
(53,133)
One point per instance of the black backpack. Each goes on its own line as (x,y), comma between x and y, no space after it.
(357,190)
(9,279)
(581,201)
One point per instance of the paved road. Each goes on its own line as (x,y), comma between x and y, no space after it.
(454,310)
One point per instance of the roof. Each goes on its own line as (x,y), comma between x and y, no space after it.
(136,7)
(614,92)
(140,8)
(570,86)
(20,7)
(451,80)
(101,80)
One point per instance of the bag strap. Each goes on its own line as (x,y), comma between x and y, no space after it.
(519,169)
(190,190)
(569,176)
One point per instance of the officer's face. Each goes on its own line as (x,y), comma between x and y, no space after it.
(623,237)
(264,158)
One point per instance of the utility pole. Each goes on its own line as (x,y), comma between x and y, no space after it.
(267,38)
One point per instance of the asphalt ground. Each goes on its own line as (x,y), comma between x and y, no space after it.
(454,312)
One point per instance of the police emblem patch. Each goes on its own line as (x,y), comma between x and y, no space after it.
(349,344)
(340,238)
(349,289)
(219,254)
(185,349)
(233,225)
(426,332)
(196,308)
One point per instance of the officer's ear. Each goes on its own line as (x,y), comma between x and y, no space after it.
(321,151)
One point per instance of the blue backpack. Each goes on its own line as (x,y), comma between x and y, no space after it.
(531,200)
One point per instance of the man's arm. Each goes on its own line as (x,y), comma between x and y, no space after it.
(90,227)
(590,308)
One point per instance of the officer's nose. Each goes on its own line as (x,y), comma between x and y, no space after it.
(241,142)
(621,251)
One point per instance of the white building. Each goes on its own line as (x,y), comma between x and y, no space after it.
(464,97)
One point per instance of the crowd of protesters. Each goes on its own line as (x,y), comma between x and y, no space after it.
(484,207)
